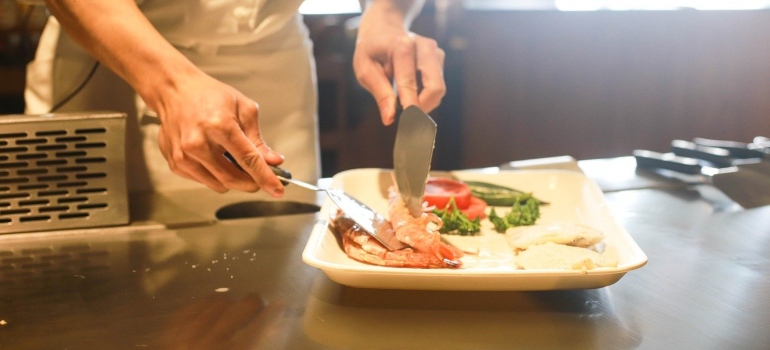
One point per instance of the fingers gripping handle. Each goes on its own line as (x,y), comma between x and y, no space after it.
(283,174)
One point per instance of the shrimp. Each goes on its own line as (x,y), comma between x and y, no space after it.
(416,231)
(362,247)
(426,250)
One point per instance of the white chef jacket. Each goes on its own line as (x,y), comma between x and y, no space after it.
(260,47)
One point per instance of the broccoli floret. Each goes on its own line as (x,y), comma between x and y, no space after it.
(500,223)
(457,223)
(524,212)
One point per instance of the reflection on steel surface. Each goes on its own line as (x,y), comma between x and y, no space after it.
(257,209)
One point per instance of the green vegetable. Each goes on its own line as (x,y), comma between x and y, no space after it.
(524,212)
(496,195)
(457,223)
(500,224)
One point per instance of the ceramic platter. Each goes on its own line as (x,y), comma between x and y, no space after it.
(572,196)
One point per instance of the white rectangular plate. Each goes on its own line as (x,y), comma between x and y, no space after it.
(573,198)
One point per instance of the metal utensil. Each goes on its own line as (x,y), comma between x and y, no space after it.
(370,220)
(722,154)
(748,188)
(412,153)
(761,142)
(738,150)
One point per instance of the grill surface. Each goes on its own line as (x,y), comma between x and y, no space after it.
(27,269)
(62,171)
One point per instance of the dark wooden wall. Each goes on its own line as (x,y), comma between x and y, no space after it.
(528,84)
(600,84)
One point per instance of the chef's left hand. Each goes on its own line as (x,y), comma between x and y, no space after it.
(386,51)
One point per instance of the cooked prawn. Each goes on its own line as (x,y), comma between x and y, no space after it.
(416,232)
(362,247)
(426,250)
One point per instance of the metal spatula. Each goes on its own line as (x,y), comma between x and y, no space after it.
(748,188)
(412,153)
(371,221)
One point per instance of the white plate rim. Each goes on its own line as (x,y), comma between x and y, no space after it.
(343,273)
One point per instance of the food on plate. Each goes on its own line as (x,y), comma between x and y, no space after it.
(360,246)
(567,233)
(558,246)
(440,190)
(559,256)
(461,210)
(561,245)
(499,222)
(417,232)
(421,234)
(524,212)
(477,209)
(449,195)
(497,195)
(455,222)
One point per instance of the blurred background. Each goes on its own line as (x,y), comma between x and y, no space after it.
(528,78)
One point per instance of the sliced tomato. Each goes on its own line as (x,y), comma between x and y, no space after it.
(439,190)
(477,208)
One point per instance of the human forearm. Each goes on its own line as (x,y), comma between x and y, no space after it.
(396,12)
(201,118)
(117,34)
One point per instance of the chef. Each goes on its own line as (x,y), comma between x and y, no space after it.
(209,77)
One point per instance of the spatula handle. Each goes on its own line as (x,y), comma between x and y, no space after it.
(283,174)
(280,172)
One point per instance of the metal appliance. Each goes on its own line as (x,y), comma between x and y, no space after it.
(62,171)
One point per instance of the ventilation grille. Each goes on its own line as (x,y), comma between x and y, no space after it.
(62,171)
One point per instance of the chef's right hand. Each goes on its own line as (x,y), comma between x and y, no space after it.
(201,119)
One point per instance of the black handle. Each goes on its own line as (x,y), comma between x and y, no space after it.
(654,160)
(717,156)
(278,171)
(738,150)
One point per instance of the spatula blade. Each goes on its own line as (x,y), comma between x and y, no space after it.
(369,220)
(412,153)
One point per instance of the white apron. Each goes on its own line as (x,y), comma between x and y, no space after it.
(260,47)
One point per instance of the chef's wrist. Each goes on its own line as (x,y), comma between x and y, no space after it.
(399,13)
(154,85)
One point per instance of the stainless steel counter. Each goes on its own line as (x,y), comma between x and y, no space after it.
(178,278)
